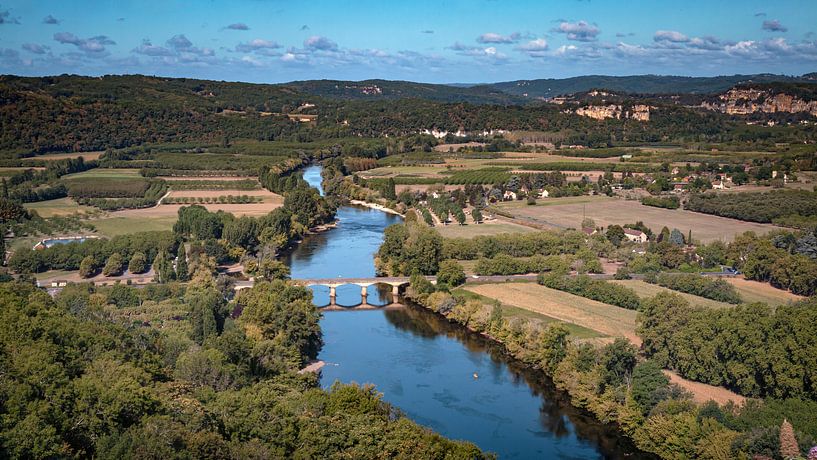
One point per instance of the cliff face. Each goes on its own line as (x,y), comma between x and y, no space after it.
(600,112)
(745,101)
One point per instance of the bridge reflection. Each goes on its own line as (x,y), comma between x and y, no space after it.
(355,297)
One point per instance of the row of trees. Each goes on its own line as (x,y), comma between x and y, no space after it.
(692,283)
(94,252)
(599,290)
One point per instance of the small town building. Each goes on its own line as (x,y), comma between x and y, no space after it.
(509,195)
(544,194)
(636,236)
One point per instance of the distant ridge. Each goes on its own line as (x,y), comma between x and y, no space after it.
(523,91)
(641,84)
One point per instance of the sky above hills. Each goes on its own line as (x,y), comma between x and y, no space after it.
(440,41)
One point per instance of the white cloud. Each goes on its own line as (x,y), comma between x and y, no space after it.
(495,38)
(91,46)
(670,36)
(35,48)
(257,45)
(318,43)
(578,31)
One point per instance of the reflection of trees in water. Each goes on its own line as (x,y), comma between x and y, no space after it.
(414,321)
(556,414)
(379,294)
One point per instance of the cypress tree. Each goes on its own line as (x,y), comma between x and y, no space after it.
(788,442)
(182,270)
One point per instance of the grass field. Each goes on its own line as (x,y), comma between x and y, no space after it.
(607,211)
(644,290)
(494,227)
(121,225)
(755,291)
(512,311)
(8,172)
(87,156)
(98,173)
(58,207)
(554,201)
(600,317)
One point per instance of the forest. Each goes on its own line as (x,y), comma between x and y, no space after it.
(78,383)
(756,206)
(72,113)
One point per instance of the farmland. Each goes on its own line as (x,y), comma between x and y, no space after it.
(603,318)
(753,291)
(512,311)
(489,227)
(58,207)
(605,211)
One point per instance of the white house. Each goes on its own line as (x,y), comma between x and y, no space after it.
(636,236)
(509,195)
(544,194)
(717,185)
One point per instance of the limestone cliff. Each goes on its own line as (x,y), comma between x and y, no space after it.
(745,101)
(600,112)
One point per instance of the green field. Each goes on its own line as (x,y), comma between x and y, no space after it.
(510,311)
(553,201)
(106,173)
(58,207)
(122,225)
(471,230)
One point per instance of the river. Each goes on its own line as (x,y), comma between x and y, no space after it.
(440,375)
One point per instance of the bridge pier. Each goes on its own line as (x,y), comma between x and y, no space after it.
(395,292)
(364,293)
(332,295)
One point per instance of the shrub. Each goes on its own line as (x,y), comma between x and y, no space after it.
(451,273)
(691,283)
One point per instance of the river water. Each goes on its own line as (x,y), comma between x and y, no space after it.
(426,366)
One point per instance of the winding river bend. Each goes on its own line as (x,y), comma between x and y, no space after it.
(425,365)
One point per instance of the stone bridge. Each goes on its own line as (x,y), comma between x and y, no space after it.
(396,283)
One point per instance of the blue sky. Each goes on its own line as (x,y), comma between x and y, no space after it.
(441,41)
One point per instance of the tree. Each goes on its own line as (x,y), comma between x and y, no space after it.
(423,250)
(676,237)
(618,360)
(163,267)
(451,273)
(272,269)
(138,263)
(477,216)
(588,223)
(114,265)
(182,269)
(663,235)
(459,214)
(615,234)
(87,267)
(241,232)
(648,384)
(788,442)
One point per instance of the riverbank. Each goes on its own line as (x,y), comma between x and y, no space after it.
(379,207)
(582,371)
